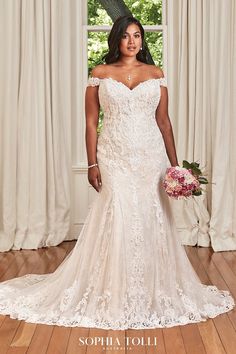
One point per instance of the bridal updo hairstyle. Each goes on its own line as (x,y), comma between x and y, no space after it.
(118,30)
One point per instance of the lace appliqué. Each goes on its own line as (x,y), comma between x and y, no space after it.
(93,81)
(163,81)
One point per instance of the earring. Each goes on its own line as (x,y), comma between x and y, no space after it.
(141,48)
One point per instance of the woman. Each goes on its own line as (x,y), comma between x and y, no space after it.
(127,269)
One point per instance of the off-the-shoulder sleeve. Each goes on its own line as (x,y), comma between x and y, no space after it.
(93,81)
(163,81)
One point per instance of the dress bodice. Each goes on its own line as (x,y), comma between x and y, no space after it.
(118,98)
(129,124)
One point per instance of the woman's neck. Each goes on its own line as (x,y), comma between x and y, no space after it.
(127,61)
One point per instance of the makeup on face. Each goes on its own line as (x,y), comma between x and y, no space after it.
(131,40)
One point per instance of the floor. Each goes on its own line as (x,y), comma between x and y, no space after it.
(215,336)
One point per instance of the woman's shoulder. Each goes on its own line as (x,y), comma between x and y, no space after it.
(99,71)
(153,70)
(156,71)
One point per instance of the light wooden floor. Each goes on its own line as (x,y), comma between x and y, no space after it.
(214,336)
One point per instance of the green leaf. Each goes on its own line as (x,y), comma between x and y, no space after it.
(202,180)
(196,171)
(186,164)
(194,166)
(197,192)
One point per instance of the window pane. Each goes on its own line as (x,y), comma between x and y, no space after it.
(149,12)
(97,48)
(154,41)
(97,15)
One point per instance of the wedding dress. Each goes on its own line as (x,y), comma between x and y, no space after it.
(128,268)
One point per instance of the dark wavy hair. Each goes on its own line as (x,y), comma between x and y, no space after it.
(118,29)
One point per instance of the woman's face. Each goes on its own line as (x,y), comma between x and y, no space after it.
(131,41)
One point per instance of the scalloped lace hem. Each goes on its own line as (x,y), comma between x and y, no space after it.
(154,321)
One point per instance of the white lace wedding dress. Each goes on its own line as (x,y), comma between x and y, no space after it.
(128,268)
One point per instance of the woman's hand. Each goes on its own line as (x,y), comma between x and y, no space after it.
(94,177)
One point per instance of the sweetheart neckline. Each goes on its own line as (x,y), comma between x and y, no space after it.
(131,89)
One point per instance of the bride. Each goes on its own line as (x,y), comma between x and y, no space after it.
(127,269)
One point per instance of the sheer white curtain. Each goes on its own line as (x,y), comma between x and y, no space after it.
(202,88)
(35,111)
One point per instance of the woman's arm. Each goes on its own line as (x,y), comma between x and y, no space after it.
(164,124)
(92,114)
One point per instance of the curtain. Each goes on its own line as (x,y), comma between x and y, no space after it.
(202,89)
(35,116)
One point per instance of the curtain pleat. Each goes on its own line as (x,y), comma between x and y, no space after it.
(35,114)
(202,84)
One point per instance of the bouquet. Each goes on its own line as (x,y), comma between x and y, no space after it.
(184,182)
